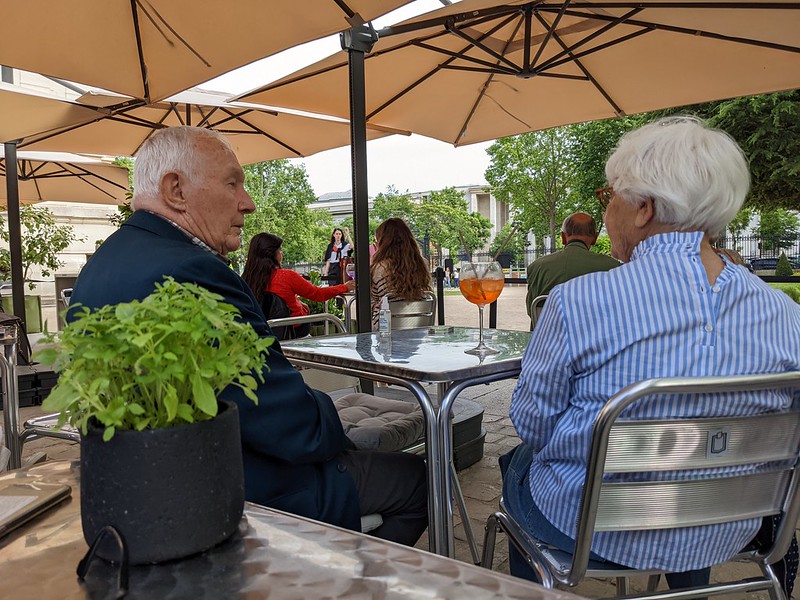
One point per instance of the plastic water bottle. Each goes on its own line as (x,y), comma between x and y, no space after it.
(385,318)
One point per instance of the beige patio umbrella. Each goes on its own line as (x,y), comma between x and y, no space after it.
(24,112)
(152,49)
(256,133)
(480,69)
(63,177)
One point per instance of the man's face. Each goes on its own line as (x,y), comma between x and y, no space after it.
(217,201)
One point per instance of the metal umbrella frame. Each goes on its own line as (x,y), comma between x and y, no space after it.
(482,69)
(256,133)
(62,177)
(152,49)
(479,69)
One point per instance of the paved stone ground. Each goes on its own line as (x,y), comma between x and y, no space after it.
(480,482)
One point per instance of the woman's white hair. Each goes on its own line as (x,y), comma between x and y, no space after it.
(696,176)
(168,150)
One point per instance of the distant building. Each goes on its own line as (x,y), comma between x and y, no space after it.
(477,197)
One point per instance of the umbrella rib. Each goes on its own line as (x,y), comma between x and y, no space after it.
(591,78)
(477,43)
(139,49)
(140,4)
(550,33)
(429,74)
(607,27)
(460,55)
(571,57)
(264,133)
(483,91)
(651,26)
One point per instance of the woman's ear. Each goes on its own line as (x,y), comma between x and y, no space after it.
(645,213)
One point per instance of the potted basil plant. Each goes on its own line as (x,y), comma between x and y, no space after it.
(143,381)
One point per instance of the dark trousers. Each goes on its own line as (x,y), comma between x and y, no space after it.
(393,484)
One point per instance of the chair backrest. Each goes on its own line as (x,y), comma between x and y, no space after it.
(325,381)
(537,304)
(685,444)
(415,313)
(275,307)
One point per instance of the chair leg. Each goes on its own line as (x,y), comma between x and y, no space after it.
(623,586)
(462,509)
(652,582)
(489,540)
(776,592)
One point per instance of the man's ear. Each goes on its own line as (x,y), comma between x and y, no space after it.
(563,239)
(645,213)
(172,191)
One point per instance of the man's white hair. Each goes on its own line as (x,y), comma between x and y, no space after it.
(696,176)
(168,150)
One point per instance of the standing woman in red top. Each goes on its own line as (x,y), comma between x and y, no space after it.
(263,273)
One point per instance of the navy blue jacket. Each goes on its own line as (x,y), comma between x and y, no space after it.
(290,440)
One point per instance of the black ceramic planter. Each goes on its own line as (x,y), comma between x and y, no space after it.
(170,492)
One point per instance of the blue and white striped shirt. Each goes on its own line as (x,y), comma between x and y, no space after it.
(656,316)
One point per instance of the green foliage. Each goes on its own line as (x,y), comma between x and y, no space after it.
(603,245)
(282,196)
(535,173)
(516,246)
(443,215)
(740,223)
(790,289)
(590,146)
(784,267)
(317,308)
(42,240)
(767,127)
(153,363)
(778,229)
(392,203)
(124,212)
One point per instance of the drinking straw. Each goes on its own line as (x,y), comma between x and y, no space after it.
(503,245)
(466,249)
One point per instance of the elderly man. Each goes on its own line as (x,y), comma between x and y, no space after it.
(190,202)
(578,234)
(674,308)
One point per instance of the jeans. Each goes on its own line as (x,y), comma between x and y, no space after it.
(515,468)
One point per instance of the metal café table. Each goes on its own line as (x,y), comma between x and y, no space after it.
(274,555)
(409,358)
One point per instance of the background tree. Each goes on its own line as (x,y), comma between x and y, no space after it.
(738,226)
(784,267)
(516,246)
(767,127)
(392,203)
(42,240)
(778,229)
(535,174)
(282,195)
(442,215)
(590,146)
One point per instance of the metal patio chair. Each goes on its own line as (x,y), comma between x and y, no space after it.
(621,445)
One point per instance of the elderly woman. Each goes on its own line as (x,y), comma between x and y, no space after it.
(674,308)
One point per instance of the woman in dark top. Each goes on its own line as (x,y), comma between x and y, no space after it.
(341,246)
(263,273)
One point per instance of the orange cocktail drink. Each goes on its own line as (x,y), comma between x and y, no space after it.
(481,291)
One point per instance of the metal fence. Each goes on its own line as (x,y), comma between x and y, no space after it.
(750,247)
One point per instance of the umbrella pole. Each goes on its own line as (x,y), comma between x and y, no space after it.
(14,229)
(359,41)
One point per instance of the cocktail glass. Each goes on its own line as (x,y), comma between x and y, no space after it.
(481,284)
(350,269)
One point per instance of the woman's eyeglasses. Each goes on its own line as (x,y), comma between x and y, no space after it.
(604,196)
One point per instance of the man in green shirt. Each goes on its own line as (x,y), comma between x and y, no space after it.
(578,234)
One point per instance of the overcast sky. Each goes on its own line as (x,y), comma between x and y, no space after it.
(410,163)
